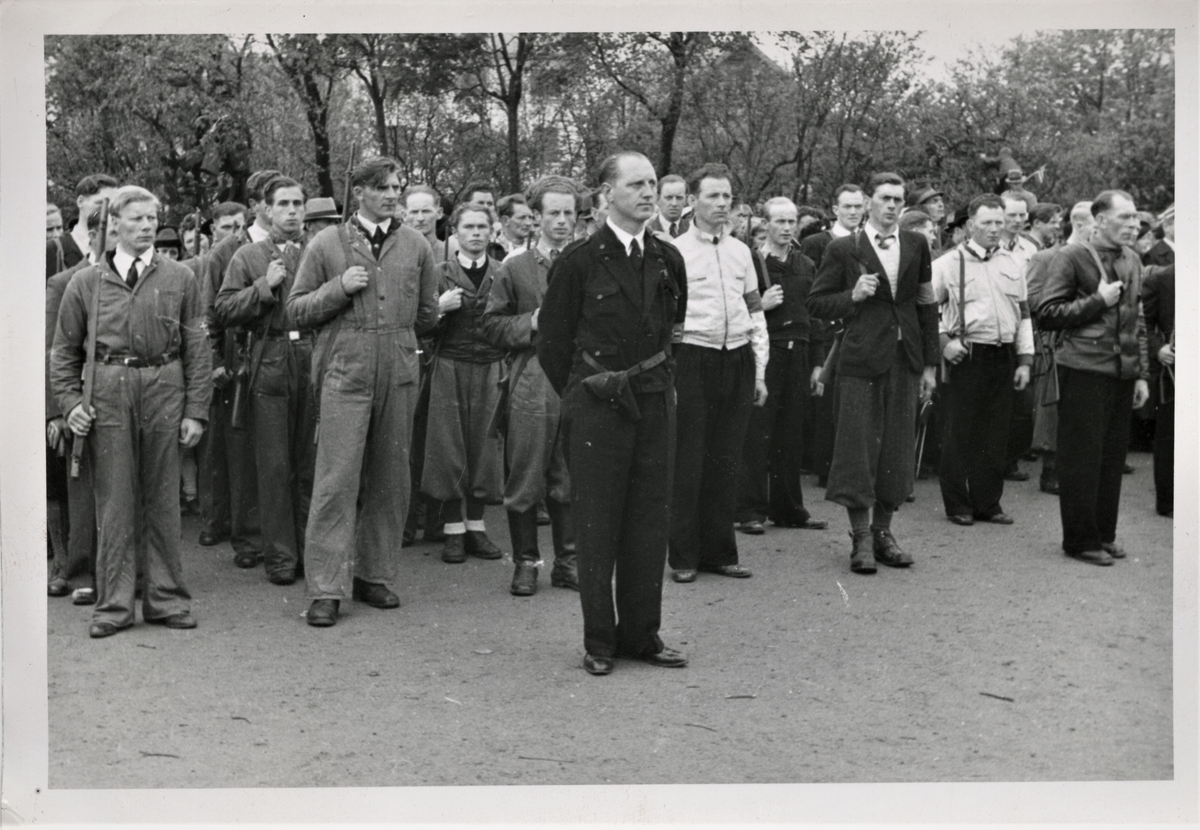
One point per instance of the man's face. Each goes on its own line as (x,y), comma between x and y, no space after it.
(483,199)
(473,232)
(557,219)
(1083,228)
(929,231)
(711,204)
(168,251)
(314,226)
(287,210)
(631,194)
(111,238)
(54,225)
(781,226)
(90,204)
(886,203)
(423,212)
(1049,231)
(227,226)
(519,225)
(671,201)
(379,203)
(935,207)
(1119,224)
(136,227)
(849,210)
(1016,214)
(986,225)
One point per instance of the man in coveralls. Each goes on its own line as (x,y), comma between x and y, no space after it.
(254,296)
(537,467)
(150,394)
(370,285)
(615,303)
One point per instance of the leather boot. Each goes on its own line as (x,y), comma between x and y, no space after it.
(454,552)
(862,555)
(565,573)
(524,581)
(523,530)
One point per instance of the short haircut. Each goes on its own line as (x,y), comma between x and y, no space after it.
(52,208)
(607,172)
(808,210)
(1081,211)
(537,191)
(128,195)
(879,180)
(1104,201)
(1005,198)
(228,209)
(913,219)
(1044,212)
(478,187)
(374,172)
(711,170)
(189,222)
(846,188)
(93,184)
(670,178)
(778,202)
(276,184)
(414,189)
(257,181)
(467,207)
(985,200)
(507,205)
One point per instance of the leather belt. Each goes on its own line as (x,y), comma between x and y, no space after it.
(289,335)
(788,344)
(133,361)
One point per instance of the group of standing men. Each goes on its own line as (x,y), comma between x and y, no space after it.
(646,383)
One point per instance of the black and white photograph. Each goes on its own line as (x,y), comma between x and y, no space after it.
(664,414)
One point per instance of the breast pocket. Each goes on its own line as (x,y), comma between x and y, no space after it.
(1013,285)
(602,299)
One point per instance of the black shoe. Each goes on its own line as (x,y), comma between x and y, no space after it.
(888,551)
(1000,518)
(1015,473)
(103,629)
(862,553)
(524,581)
(408,539)
(83,596)
(565,573)
(668,658)
(453,552)
(1113,549)
(1049,485)
(1128,469)
(1092,557)
(803,524)
(736,571)
(963,519)
(754,527)
(480,546)
(57,587)
(184,619)
(374,594)
(190,507)
(597,665)
(247,559)
(209,538)
(323,612)
(543,515)
(282,578)
(684,575)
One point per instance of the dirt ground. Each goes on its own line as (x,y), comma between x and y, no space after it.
(995,658)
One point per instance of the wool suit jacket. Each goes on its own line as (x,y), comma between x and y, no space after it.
(873,326)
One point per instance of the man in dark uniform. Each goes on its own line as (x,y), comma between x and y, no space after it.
(253,296)
(533,446)
(228,358)
(149,396)
(878,280)
(615,303)
(371,287)
(1158,305)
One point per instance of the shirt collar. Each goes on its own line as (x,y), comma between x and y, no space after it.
(467,263)
(624,237)
(873,232)
(545,247)
(838,230)
(122,261)
(370,226)
(711,238)
(256,233)
(978,250)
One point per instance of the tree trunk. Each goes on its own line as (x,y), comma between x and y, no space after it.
(670,121)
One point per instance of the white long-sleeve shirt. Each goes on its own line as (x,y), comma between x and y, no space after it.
(997,307)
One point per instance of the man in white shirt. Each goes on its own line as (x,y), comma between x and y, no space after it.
(672,197)
(721,372)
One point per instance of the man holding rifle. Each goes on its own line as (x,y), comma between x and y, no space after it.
(136,319)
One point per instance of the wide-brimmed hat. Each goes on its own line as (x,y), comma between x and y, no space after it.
(920,197)
(321,207)
(168,236)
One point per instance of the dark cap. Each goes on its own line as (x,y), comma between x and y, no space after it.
(167,237)
(959,219)
(920,197)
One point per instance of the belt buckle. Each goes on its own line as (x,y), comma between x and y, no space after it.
(293,335)
(791,344)
(128,362)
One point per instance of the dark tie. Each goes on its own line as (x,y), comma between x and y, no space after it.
(132,277)
(635,256)
(884,242)
(291,256)
(377,240)
(553,254)
(674,229)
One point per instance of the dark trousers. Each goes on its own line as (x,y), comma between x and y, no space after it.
(1164,453)
(284,425)
(228,487)
(212,476)
(620,483)
(976,414)
(1094,412)
(769,480)
(715,389)
(75,557)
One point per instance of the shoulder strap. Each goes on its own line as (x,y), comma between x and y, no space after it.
(1099,262)
(962,293)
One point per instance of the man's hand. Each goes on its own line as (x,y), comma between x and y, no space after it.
(450,301)
(55,429)
(1141,393)
(220,377)
(760,392)
(955,351)
(1166,355)
(79,421)
(276,272)
(814,382)
(1021,378)
(533,319)
(190,431)
(1110,292)
(772,297)
(355,279)
(865,287)
(928,383)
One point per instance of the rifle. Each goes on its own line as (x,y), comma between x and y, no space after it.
(196,238)
(89,368)
(347,191)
